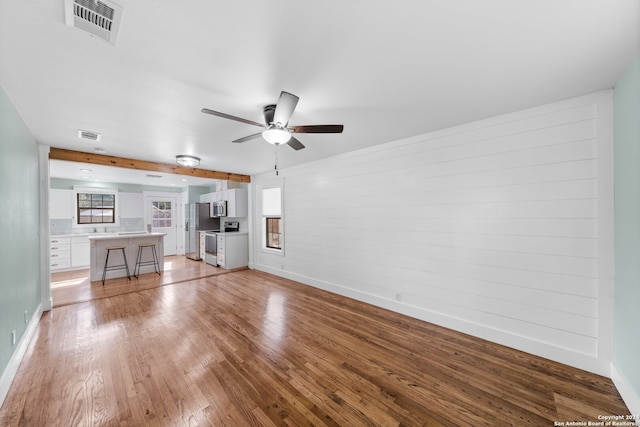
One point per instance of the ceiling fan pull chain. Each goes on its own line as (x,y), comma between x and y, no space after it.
(276,166)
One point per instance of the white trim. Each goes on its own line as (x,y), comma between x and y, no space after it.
(606,231)
(261,226)
(177,217)
(45,232)
(250,222)
(96,190)
(14,363)
(566,356)
(629,395)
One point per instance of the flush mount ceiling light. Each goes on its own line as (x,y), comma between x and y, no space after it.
(276,135)
(188,161)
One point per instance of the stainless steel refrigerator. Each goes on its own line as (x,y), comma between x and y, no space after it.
(197,219)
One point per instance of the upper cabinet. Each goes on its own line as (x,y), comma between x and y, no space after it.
(236,198)
(61,204)
(236,202)
(211,197)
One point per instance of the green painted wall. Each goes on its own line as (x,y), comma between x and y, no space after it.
(194,192)
(19,227)
(627,224)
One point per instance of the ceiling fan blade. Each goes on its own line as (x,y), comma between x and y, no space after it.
(295,144)
(248,138)
(230,117)
(284,108)
(317,129)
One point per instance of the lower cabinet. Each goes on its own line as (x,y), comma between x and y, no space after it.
(60,253)
(203,244)
(233,250)
(80,252)
(69,252)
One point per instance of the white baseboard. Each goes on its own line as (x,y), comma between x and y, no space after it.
(629,395)
(12,368)
(566,356)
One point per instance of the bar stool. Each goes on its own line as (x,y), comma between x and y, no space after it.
(108,267)
(154,261)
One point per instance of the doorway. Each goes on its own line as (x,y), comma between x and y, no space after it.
(161,213)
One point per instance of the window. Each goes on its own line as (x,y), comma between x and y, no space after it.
(272,218)
(96,208)
(161,214)
(273,233)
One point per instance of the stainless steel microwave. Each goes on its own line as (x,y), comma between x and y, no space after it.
(219,209)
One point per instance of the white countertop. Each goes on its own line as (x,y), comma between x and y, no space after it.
(124,235)
(229,233)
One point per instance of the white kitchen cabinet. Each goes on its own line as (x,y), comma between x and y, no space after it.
(226,185)
(60,253)
(80,252)
(233,250)
(209,197)
(236,198)
(131,205)
(61,204)
(237,204)
(203,244)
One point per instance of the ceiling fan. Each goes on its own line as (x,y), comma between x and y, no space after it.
(276,130)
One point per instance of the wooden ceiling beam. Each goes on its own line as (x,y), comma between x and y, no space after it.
(123,162)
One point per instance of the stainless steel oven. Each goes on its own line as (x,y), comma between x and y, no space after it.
(210,248)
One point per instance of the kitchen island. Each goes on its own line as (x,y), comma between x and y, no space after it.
(98,245)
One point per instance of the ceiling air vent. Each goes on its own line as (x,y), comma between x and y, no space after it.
(91,136)
(100,18)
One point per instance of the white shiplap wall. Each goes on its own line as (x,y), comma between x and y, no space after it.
(500,228)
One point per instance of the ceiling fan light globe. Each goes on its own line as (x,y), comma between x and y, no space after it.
(276,136)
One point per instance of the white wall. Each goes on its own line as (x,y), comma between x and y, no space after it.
(500,228)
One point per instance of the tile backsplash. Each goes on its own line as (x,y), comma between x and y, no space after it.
(65,226)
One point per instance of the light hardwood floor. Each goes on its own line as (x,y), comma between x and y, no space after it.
(249,348)
(70,287)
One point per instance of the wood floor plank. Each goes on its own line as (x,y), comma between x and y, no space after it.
(74,286)
(249,348)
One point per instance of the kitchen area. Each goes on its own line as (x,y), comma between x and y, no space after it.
(210,236)
(197,231)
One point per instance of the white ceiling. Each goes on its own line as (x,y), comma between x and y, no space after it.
(386,70)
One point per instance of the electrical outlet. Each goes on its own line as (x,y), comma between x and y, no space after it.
(26,317)
(13,337)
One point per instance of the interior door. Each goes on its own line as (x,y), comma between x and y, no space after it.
(162,215)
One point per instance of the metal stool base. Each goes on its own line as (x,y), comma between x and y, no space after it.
(154,261)
(108,267)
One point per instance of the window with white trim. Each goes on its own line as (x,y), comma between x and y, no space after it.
(161,214)
(272,218)
(96,206)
